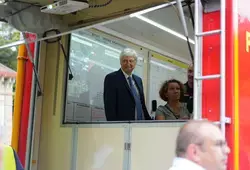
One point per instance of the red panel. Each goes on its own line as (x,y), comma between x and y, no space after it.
(26,104)
(244,83)
(211,65)
(230,80)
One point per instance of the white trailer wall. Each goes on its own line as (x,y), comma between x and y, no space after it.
(60,146)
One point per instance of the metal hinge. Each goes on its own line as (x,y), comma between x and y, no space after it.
(127,146)
(227,120)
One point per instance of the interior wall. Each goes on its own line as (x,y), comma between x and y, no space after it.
(55,141)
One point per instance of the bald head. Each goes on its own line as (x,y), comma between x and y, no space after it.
(202,142)
(191,133)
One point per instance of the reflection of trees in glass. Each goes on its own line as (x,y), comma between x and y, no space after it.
(78,63)
(8,55)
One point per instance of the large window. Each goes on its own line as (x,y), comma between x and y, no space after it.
(92,57)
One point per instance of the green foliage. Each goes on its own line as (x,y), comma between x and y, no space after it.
(8,56)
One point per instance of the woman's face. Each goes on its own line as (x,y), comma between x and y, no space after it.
(173,92)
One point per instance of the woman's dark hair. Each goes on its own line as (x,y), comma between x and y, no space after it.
(164,89)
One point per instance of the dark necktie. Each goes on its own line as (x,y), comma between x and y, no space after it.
(137,99)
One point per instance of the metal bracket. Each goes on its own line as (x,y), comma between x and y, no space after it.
(210,5)
(227,120)
(127,146)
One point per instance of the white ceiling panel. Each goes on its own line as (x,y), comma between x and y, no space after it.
(145,32)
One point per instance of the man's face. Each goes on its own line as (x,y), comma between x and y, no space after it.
(214,151)
(190,74)
(128,64)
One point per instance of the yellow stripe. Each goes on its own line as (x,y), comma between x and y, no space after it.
(169,60)
(236,102)
(18,96)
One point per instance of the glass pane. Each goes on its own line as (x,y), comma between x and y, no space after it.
(162,68)
(92,57)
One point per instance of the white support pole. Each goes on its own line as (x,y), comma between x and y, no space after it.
(197,61)
(182,17)
(223,66)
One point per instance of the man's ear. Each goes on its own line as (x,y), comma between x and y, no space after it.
(193,153)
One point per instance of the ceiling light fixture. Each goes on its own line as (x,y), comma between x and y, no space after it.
(163,28)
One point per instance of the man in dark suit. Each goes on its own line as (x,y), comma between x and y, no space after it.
(123,91)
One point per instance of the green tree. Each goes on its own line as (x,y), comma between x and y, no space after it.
(8,56)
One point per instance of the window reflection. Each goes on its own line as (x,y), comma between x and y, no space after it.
(92,57)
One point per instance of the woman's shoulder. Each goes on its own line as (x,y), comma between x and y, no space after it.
(184,109)
(161,108)
(164,108)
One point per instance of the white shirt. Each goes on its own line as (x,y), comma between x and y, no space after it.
(184,164)
(126,77)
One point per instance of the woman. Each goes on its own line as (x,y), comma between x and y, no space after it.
(171,92)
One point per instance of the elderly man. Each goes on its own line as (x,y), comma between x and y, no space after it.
(200,145)
(123,91)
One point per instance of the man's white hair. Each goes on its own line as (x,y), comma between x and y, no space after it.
(128,52)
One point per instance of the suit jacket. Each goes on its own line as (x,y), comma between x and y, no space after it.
(119,102)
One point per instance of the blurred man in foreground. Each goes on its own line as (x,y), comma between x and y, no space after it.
(200,145)
(9,159)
